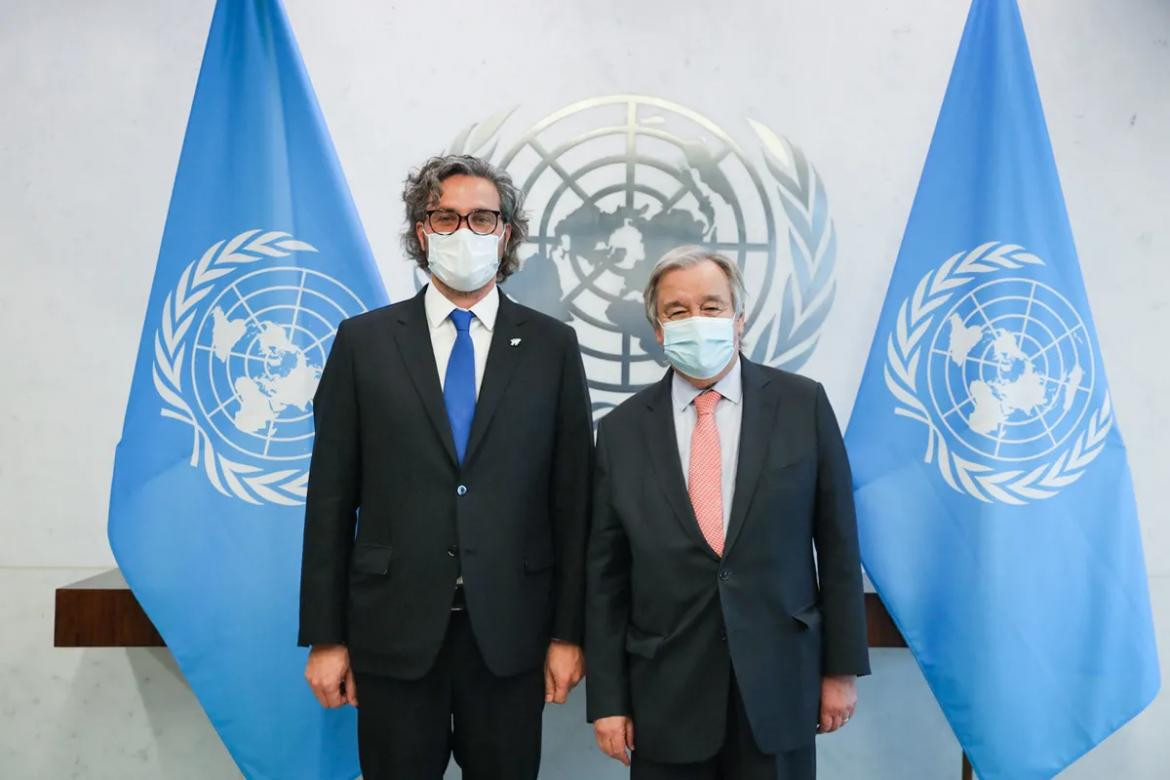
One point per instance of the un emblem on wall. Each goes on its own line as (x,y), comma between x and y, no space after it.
(238,356)
(612,183)
(1000,368)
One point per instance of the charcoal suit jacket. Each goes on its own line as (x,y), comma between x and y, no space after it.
(392,519)
(669,622)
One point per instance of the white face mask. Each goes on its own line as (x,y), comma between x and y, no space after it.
(463,261)
(699,347)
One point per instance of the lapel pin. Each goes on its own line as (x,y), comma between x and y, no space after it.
(515,342)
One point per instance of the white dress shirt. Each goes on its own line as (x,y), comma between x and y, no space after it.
(439,310)
(728,419)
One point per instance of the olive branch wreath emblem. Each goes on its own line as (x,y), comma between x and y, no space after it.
(245,481)
(790,337)
(812,239)
(916,315)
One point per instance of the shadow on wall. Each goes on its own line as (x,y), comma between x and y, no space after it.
(153,728)
(897,722)
(187,744)
(130,714)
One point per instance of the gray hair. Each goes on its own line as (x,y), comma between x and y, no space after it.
(686,257)
(423,188)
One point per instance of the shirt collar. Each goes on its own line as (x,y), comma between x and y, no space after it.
(683,393)
(439,308)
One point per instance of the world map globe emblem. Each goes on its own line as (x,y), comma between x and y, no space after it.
(1000,369)
(1010,370)
(611,184)
(259,350)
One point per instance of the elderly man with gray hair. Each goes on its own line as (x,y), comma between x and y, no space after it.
(716,646)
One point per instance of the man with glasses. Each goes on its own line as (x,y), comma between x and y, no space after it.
(717,647)
(447,509)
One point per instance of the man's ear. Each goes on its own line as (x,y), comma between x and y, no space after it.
(504,239)
(422,235)
(658,333)
(740,322)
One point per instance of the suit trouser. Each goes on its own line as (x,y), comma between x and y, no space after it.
(407,729)
(738,759)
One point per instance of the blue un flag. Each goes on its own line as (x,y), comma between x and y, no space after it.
(262,256)
(994,501)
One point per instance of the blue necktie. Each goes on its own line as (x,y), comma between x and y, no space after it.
(459,384)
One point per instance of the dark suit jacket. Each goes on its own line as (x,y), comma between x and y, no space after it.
(391,518)
(667,621)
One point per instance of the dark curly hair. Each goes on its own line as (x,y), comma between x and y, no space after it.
(422,190)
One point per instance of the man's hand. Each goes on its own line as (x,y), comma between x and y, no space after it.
(326,670)
(838,701)
(564,666)
(615,737)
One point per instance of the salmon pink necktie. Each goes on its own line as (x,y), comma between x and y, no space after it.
(705,477)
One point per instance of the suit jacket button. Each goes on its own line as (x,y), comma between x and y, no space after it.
(461,490)
(453,551)
(724,575)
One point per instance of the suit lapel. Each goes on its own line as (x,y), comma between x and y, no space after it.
(503,356)
(413,335)
(664,457)
(755,435)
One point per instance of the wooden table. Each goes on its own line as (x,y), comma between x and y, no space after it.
(101,611)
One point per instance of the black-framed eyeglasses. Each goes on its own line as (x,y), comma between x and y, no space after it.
(447,221)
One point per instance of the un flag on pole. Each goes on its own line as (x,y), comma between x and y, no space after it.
(262,256)
(995,508)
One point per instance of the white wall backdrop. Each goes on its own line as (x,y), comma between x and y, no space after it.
(94,101)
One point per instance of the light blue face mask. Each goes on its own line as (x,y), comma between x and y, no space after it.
(699,347)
